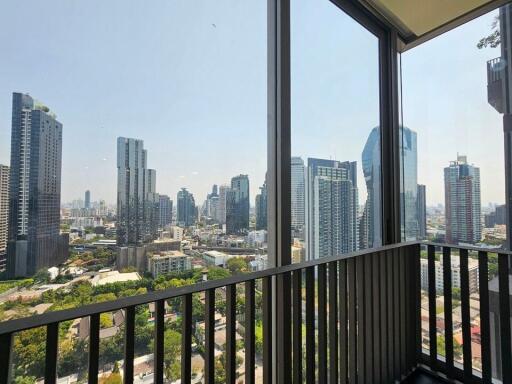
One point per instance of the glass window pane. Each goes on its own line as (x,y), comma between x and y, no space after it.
(336,195)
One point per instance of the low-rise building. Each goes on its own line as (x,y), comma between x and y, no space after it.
(170,261)
(455,268)
(219,259)
(107,276)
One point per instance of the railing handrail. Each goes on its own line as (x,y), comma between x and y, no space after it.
(467,247)
(16,325)
(34,321)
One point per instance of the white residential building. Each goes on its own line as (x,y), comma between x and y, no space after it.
(171,261)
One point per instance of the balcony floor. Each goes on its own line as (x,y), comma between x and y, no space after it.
(422,377)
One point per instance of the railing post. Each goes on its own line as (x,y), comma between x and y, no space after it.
(94,347)
(52,345)
(5,352)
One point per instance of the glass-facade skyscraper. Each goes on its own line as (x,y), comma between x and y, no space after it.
(186,210)
(137,200)
(462,202)
(35,186)
(370,227)
(237,205)
(409,187)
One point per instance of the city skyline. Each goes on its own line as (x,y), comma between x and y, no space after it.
(89,152)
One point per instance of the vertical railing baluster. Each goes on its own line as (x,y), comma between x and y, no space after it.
(448,319)
(283,363)
(384,310)
(231,334)
(504,300)
(129,345)
(368,318)
(333,323)
(267,330)
(402,310)
(485,327)
(159,341)
(94,347)
(352,330)
(186,339)
(249,332)
(390,312)
(310,325)
(209,335)
(342,283)
(52,345)
(416,300)
(322,324)
(466,315)
(6,353)
(376,316)
(432,312)
(360,321)
(396,314)
(297,325)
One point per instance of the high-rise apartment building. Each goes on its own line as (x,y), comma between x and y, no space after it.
(87,199)
(462,202)
(186,210)
(237,205)
(422,212)
(332,202)
(298,204)
(164,211)
(34,239)
(4,214)
(221,210)
(261,208)
(137,200)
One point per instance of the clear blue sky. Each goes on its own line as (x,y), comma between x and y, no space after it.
(189,78)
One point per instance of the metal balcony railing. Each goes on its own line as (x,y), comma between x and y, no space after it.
(362,319)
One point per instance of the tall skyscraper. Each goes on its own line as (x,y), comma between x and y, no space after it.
(237,205)
(462,202)
(186,214)
(87,200)
(211,205)
(34,240)
(298,205)
(422,212)
(4,214)
(137,201)
(332,202)
(221,210)
(409,185)
(370,225)
(261,208)
(164,211)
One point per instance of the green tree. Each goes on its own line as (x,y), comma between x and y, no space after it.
(29,352)
(237,265)
(172,358)
(215,273)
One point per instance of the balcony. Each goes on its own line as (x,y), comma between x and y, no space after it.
(361,313)
(495,87)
